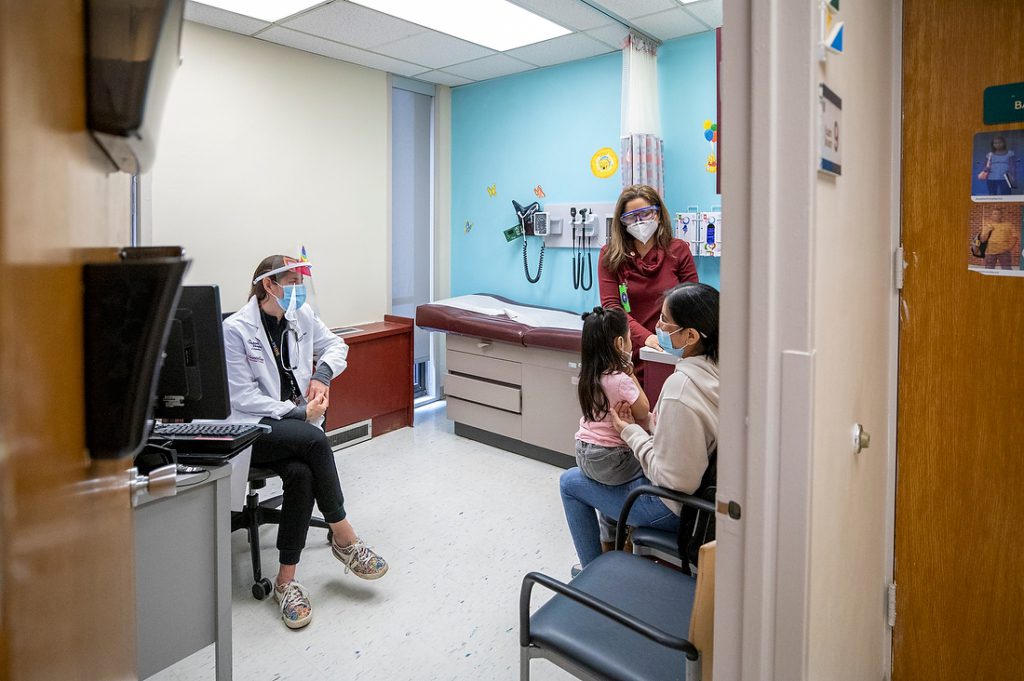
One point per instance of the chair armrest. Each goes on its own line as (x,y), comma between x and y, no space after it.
(654,490)
(597,605)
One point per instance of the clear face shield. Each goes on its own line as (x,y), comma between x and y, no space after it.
(291,286)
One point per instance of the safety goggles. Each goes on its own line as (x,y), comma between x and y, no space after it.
(639,215)
(664,322)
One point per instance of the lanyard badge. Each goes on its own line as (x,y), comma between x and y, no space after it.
(624,297)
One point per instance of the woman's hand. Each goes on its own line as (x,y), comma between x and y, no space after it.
(316,388)
(652,342)
(316,408)
(621,416)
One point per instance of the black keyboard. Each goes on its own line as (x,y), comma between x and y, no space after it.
(207,438)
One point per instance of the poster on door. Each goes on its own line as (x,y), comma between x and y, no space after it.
(997,167)
(996,232)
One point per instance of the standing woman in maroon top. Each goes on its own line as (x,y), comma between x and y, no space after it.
(641,262)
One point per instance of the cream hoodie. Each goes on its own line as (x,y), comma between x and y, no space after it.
(686,429)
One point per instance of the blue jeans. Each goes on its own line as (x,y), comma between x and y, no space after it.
(581,497)
(998,187)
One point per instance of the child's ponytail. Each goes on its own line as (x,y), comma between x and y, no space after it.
(601,327)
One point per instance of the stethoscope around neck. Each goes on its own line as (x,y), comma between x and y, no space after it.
(291,335)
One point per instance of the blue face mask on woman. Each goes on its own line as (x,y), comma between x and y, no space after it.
(665,341)
(299,291)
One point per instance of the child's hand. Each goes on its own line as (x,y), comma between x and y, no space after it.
(621,416)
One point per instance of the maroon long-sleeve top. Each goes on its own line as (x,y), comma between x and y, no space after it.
(647,279)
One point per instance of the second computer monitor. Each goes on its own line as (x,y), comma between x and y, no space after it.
(194,380)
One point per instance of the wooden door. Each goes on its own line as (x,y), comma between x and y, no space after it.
(959,566)
(67,605)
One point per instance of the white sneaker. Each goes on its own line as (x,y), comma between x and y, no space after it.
(296,610)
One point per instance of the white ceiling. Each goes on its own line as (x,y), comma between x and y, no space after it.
(349,32)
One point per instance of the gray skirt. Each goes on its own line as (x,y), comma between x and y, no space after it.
(607,465)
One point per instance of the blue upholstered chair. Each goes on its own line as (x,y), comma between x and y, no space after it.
(624,617)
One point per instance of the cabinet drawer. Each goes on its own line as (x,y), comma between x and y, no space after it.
(485,418)
(483,392)
(485,367)
(486,348)
(554,359)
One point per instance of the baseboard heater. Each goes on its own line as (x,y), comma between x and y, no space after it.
(355,433)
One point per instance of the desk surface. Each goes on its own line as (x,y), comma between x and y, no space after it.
(186,482)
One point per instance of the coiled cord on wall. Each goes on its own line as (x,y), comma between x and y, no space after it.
(526,263)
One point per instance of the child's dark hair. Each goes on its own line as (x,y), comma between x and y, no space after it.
(695,306)
(600,329)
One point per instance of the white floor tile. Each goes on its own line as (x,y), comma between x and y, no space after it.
(459,522)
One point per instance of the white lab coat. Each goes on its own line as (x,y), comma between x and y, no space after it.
(253,378)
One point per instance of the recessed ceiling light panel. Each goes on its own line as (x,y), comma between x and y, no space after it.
(497,24)
(267,10)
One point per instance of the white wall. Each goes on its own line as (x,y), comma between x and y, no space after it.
(852,323)
(264,149)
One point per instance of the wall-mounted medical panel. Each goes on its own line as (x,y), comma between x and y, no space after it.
(581,219)
(711,233)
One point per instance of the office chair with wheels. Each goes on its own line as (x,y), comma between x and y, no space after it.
(624,617)
(256,513)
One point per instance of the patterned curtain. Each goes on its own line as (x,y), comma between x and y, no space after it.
(642,161)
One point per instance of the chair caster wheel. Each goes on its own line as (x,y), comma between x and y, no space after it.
(262,589)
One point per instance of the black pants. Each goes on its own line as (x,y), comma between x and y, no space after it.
(299,453)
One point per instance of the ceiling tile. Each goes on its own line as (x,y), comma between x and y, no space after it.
(220,18)
(309,43)
(569,13)
(557,50)
(489,67)
(354,25)
(630,9)
(613,35)
(433,49)
(674,23)
(708,11)
(442,78)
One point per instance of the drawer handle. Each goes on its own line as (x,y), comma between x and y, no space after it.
(483,346)
(575,380)
(574,365)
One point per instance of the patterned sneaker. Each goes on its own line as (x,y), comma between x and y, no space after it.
(361,560)
(296,610)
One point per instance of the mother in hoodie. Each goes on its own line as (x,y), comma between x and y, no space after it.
(675,452)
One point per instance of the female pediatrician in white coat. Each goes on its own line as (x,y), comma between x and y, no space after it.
(281,359)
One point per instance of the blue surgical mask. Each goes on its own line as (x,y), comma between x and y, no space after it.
(299,291)
(665,341)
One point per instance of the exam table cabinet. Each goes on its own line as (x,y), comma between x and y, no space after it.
(524,394)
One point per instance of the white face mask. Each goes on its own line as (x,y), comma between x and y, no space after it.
(643,231)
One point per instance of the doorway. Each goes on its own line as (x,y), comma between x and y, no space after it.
(412,210)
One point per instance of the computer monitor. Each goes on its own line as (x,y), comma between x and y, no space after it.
(194,378)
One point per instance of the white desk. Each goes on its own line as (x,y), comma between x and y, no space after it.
(183,573)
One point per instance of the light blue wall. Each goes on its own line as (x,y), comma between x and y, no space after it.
(542,127)
(687,96)
(516,132)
